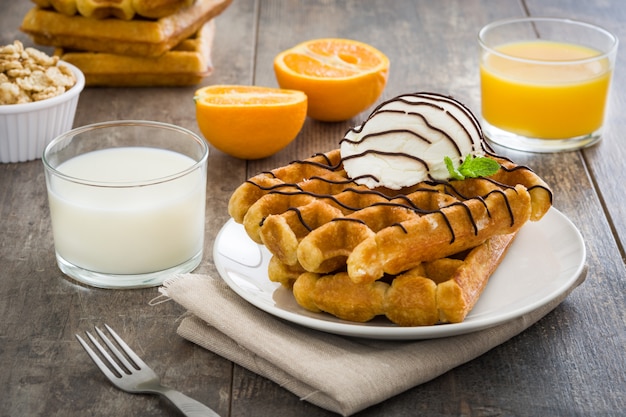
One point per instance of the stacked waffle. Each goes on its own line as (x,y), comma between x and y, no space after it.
(129,42)
(419,255)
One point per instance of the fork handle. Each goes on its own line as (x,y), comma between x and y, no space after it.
(188,406)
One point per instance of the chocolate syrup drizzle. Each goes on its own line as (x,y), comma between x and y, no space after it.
(449,188)
(381,110)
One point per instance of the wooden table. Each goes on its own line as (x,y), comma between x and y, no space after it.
(572,362)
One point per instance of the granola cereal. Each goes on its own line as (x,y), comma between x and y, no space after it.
(27,75)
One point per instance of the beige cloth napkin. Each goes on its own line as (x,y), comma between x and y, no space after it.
(341,374)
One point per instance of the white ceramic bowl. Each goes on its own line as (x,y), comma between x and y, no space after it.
(26,129)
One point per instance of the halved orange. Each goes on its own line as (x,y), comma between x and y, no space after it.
(249,122)
(341,77)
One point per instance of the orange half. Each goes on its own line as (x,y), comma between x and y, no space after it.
(249,122)
(340,77)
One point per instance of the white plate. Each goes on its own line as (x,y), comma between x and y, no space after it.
(543,262)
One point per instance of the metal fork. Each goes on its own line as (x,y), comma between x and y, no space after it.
(135,376)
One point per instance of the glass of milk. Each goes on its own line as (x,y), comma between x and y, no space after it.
(127,202)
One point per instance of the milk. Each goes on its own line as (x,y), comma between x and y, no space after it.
(126,228)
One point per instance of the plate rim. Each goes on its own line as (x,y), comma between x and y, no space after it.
(369,331)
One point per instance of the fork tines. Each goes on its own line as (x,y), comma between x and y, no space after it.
(124,363)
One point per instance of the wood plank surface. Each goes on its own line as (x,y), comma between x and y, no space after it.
(571,363)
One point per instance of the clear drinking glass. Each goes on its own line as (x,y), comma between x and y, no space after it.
(545,82)
(127,202)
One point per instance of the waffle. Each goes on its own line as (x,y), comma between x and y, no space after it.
(67,7)
(325,231)
(137,37)
(186,64)
(442,291)
(121,9)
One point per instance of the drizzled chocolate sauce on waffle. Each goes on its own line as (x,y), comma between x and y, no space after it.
(399,198)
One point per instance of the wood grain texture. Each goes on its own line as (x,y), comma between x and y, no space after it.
(570,363)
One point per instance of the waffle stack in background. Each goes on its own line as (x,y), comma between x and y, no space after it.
(129,43)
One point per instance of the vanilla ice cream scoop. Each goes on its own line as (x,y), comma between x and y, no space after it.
(405,141)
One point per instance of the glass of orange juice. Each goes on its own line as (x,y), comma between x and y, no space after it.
(545,82)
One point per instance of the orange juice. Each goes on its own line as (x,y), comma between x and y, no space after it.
(556,91)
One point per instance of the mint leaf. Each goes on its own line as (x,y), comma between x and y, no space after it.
(472,167)
(478,167)
(454,172)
